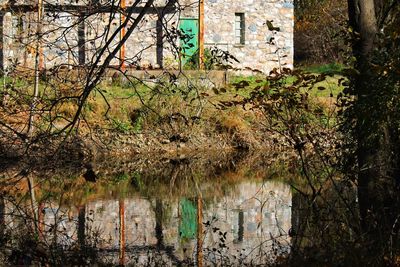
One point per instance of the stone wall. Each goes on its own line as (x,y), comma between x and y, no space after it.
(263,49)
(257,52)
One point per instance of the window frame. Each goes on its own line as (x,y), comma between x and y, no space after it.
(240,39)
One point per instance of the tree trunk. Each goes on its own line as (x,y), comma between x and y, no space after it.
(363,21)
(375,134)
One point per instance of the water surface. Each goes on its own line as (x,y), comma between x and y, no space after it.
(177,212)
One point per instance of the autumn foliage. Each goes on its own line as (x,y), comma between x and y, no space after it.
(318,32)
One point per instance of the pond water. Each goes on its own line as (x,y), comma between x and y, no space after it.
(167,214)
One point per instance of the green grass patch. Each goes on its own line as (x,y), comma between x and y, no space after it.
(327,88)
(331,68)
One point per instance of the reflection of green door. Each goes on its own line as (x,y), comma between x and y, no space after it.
(188,224)
(189,43)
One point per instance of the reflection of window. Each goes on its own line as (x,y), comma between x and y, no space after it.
(239,28)
(241,228)
(239,237)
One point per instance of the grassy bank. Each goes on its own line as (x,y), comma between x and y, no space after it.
(165,114)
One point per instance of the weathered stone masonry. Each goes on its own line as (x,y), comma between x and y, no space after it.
(256,53)
(262,48)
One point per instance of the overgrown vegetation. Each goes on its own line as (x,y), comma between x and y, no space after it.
(320,32)
(334,127)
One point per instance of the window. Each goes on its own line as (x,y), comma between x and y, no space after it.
(17,27)
(239,29)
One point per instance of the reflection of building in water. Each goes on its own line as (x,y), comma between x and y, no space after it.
(245,221)
(253,219)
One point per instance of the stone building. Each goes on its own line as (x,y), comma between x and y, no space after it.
(73,33)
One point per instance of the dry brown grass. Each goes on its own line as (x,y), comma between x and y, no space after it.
(66,109)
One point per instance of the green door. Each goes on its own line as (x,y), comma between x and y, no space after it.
(189,42)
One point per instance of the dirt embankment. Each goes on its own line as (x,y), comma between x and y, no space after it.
(78,151)
(169,137)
